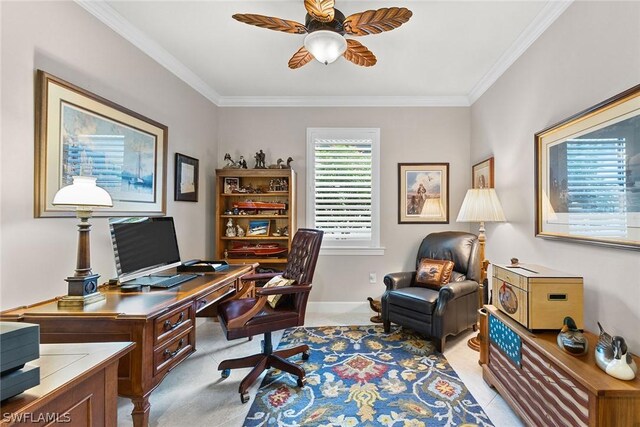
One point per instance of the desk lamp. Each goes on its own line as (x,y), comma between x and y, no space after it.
(84,195)
(481,205)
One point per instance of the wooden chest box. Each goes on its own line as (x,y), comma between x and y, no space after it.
(537,297)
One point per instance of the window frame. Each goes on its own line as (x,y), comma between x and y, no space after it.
(347,246)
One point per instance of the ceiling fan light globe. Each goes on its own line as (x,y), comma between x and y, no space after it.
(325,46)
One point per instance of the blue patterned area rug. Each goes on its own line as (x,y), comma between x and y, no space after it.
(360,376)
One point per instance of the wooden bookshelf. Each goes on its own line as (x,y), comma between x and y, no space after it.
(261,186)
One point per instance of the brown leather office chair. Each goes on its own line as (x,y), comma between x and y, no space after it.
(246,317)
(436,313)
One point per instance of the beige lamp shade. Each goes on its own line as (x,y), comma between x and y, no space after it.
(481,205)
(83,192)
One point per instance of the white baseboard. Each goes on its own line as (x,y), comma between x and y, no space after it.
(338,307)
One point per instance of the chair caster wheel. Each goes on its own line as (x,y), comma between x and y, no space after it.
(302,382)
(306,355)
(244,397)
(225,373)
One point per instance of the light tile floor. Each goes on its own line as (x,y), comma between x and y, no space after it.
(194,395)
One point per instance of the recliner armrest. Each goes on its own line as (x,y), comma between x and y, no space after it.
(399,280)
(455,290)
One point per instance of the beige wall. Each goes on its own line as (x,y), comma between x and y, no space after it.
(589,54)
(406,134)
(63,39)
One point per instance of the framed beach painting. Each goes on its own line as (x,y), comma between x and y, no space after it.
(588,175)
(423,193)
(80,133)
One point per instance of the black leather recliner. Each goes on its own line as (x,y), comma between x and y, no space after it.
(437,314)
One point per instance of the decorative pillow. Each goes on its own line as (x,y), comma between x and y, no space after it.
(276,282)
(434,273)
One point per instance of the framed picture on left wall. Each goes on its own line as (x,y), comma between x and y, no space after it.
(186,173)
(80,133)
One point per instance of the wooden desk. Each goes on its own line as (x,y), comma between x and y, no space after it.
(77,387)
(160,321)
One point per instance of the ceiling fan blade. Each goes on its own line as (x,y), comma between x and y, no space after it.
(271,23)
(300,58)
(376,21)
(320,10)
(358,54)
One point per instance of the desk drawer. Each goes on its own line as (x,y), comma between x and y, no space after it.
(217,295)
(511,277)
(170,354)
(174,322)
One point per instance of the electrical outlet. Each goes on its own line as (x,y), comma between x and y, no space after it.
(373,278)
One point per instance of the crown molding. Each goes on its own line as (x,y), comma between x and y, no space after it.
(547,16)
(344,101)
(105,13)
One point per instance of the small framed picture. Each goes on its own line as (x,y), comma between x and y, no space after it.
(482,174)
(186,185)
(231,185)
(258,228)
(423,193)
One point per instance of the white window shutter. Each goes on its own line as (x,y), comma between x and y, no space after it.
(343,196)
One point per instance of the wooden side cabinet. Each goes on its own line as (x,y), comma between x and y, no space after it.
(78,387)
(259,205)
(547,387)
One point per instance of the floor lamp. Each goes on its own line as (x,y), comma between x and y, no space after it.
(84,195)
(481,205)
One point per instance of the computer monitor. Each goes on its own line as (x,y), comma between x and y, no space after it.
(143,246)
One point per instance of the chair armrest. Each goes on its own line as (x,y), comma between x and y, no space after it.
(399,280)
(458,289)
(258,276)
(283,290)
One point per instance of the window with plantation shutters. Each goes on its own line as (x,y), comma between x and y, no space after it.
(343,197)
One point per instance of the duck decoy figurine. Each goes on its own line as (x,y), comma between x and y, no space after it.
(613,357)
(571,339)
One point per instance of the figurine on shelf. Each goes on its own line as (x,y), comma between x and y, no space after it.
(277,233)
(242,163)
(285,231)
(613,357)
(231,230)
(260,160)
(240,231)
(230,163)
(571,339)
(288,165)
(226,253)
(277,165)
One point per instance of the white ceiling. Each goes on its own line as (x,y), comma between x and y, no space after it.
(449,53)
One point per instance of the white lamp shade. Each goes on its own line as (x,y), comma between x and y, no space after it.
(83,192)
(481,205)
(325,46)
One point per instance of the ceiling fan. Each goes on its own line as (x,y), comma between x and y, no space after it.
(326,27)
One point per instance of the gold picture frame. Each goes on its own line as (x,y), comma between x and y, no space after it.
(80,133)
(423,193)
(588,175)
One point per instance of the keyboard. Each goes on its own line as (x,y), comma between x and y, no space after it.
(172,280)
(161,281)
